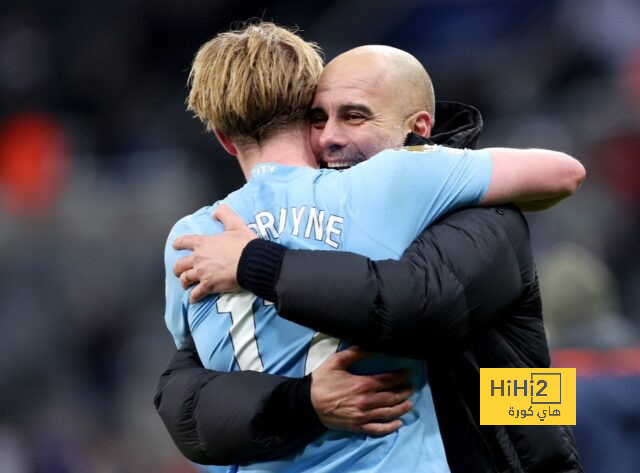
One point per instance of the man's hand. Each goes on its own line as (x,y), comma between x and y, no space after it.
(369,404)
(214,261)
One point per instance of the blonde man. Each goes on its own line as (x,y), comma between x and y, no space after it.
(252,88)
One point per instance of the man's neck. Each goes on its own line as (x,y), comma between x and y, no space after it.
(290,147)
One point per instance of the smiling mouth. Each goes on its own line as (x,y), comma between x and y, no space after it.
(340,164)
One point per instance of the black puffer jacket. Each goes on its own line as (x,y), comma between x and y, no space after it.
(464,296)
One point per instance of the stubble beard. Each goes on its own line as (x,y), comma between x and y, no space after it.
(345,158)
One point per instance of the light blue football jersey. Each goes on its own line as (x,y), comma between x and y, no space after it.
(377,209)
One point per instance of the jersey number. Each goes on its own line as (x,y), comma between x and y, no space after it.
(243,334)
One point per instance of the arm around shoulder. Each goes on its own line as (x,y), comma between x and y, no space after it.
(533,178)
(454,278)
(220,418)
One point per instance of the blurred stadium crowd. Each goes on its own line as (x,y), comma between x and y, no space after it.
(98,158)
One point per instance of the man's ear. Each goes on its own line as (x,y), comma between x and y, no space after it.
(226,142)
(420,123)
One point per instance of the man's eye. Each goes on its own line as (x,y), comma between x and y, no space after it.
(354,117)
(317,120)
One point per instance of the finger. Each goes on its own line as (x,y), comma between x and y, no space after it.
(381,428)
(186,242)
(388,413)
(183,264)
(345,358)
(188,278)
(229,218)
(386,381)
(199,292)
(386,398)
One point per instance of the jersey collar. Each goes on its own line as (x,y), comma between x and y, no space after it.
(272,169)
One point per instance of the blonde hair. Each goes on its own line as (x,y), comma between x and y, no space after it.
(251,82)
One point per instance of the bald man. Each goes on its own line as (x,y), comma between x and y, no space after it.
(373,95)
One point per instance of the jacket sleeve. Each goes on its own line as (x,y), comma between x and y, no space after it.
(233,418)
(458,275)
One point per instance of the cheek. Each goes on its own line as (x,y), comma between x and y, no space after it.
(375,141)
(364,138)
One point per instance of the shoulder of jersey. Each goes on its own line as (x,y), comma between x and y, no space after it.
(197,222)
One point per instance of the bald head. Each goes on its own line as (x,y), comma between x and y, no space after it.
(367,100)
(397,73)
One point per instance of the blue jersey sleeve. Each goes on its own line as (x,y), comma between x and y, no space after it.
(175,313)
(407,189)
(176,298)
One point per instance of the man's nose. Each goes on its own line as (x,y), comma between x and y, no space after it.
(332,137)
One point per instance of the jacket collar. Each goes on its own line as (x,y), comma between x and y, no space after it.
(457,125)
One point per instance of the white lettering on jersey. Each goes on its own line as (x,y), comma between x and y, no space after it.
(239,305)
(265,221)
(332,229)
(243,328)
(321,347)
(314,222)
(283,220)
(296,219)
(264,169)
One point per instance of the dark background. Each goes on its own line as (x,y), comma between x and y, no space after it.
(98,158)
